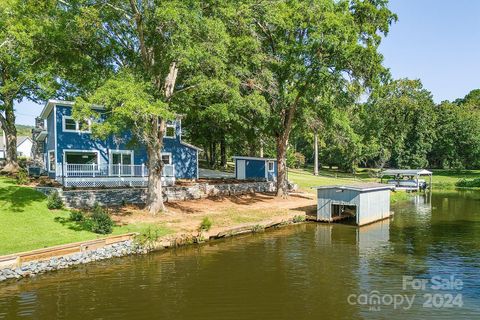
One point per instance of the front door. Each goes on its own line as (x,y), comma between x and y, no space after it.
(121,163)
(241,169)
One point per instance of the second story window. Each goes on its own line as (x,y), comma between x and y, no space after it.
(170,131)
(70,125)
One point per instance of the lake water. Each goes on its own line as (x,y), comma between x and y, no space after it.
(309,271)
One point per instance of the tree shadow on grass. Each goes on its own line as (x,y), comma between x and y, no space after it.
(17,197)
(72,225)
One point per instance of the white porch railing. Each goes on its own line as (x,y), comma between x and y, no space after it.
(108,175)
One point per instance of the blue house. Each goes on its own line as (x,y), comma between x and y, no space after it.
(252,168)
(75,158)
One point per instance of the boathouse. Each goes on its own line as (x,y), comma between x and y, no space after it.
(362,203)
(252,168)
(409,179)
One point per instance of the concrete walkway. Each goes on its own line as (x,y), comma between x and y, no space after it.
(215,174)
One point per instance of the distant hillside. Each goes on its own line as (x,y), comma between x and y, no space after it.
(22,130)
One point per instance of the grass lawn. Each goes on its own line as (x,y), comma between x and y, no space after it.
(305,179)
(446,179)
(442,179)
(27,224)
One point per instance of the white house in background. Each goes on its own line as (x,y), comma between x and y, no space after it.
(24,146)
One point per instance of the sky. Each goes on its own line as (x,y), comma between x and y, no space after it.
(436,41)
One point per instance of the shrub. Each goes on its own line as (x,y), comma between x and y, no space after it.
(54,201)
(76,216)
(205,225)
(22,177)
(295,159)
(464,183)
(148,238)
(22,162)
(298,218)
(100,221)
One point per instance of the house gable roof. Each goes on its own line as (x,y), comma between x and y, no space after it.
(253,158)
(52,102)
(191,146)
(20,140)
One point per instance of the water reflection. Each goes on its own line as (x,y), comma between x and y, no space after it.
(299,272)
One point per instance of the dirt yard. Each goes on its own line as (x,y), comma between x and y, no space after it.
(186,216)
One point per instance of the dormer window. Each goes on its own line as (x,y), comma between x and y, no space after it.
(170,130)
(70,125)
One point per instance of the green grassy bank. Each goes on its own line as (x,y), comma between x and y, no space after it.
(442,179)
(27,224)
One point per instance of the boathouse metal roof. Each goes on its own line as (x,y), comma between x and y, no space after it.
(406,172)
(361,187)
(253,158)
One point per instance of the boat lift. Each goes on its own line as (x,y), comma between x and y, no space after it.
(407,179)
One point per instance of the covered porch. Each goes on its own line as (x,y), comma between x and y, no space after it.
(84,169)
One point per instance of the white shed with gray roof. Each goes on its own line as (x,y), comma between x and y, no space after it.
(365,203)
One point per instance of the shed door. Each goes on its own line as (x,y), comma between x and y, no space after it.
(241,169)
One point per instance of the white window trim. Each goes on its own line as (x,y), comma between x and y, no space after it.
(171,125)
(77,125)
(273,166)
(48,160)
(65,151)
(167,154)
(111,152)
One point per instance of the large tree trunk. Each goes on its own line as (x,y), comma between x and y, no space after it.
(252,149)
(282,143)
(155,193)
(213,154)
(282,187)
(8,125)
(223,153)
(315,156)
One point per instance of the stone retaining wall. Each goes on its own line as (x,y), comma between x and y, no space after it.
(82,198)
(118,249)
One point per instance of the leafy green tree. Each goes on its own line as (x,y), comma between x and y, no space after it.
(399,122)
(159,50)
(26,31)
(303,44)
(457,143)
(472,98)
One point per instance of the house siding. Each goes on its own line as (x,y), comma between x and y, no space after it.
(76,140)
(256,169)
(183,157)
